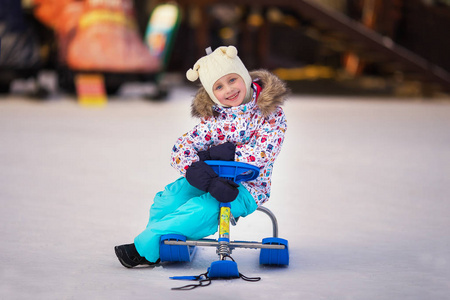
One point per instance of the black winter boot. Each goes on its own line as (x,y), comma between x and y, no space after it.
(129,257)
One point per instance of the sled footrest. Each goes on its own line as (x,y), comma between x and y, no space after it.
(274,256)
(175,252)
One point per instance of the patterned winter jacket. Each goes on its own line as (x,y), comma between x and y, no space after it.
(256,128)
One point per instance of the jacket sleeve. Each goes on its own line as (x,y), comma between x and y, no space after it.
(185,150)
(266,142)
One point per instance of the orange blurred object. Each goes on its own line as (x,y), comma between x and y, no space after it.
(49,11)
(97,35)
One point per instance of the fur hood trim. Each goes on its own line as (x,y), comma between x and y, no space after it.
(274,93)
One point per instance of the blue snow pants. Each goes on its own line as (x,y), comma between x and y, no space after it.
(186,210)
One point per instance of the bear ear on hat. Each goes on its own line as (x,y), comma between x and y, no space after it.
(231,52)
(192,74)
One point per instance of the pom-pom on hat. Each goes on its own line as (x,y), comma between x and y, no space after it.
(210,68)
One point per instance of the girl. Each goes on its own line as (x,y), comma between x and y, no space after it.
(240,120)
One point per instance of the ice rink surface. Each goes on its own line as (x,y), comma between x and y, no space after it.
(361,190)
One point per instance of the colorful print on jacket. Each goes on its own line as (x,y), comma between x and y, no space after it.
(256,128)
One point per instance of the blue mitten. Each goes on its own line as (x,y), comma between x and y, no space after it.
(223,190)
(200,175)
(204,155)
(203,177)
(223,151)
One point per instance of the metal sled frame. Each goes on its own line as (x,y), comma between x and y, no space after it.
(234,244)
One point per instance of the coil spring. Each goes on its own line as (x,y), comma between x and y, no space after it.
(223,249)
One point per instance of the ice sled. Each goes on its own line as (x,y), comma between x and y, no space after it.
(273,250)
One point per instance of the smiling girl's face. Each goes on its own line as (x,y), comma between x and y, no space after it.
(230,90)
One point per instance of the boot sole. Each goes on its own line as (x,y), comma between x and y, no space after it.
(119,254)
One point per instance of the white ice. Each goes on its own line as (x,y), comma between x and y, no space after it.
(361,191)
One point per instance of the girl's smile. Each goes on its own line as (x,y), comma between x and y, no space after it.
(230,90)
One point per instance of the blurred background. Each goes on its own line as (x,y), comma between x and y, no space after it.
(345,47)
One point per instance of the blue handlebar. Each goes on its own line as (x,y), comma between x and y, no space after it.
(233,170)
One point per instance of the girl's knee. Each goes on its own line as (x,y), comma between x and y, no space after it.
(244,203)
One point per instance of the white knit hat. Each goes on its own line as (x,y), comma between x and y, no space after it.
(222,61)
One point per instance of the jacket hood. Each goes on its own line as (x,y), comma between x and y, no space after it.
(274,93)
